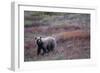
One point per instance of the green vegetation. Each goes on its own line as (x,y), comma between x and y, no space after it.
(36,18)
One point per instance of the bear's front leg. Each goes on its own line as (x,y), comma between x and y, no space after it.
(38,51)
(44,51)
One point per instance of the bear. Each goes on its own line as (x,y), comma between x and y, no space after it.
(45,44)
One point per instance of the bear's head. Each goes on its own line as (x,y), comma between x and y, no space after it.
(39,41)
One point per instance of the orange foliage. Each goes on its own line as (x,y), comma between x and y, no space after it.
(73,34)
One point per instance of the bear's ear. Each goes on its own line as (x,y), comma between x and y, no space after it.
(40,37)
(35,38)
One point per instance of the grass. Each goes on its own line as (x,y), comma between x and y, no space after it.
(74,44)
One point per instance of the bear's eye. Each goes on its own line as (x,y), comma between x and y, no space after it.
(38,41)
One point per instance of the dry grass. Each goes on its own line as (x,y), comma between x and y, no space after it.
(73,34)
(74,44)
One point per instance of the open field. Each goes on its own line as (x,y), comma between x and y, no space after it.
(72,36)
